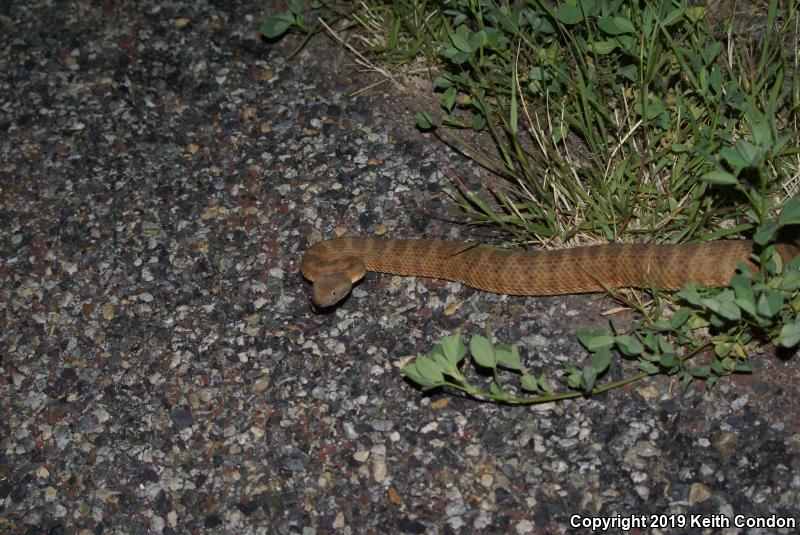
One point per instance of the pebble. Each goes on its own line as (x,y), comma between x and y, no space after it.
(162,369)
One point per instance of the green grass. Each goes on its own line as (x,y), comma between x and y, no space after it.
(614,120)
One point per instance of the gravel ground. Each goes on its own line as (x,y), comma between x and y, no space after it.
(162,171)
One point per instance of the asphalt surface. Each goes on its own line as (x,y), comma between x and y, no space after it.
(162,170)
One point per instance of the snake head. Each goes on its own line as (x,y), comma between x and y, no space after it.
(330,289)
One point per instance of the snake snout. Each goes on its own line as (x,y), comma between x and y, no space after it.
(330,289)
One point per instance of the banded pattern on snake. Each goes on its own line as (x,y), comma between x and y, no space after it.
(334,265)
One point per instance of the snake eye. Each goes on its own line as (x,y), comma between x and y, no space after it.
(329,290)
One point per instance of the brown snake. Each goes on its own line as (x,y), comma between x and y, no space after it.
(334,265)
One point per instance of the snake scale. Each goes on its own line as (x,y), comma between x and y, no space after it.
(335,265)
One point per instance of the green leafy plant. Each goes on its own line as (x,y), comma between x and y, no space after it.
(760,306)
(626,104)
(604,113)
(620,119)
(276,25)
(319,12)
(441,368)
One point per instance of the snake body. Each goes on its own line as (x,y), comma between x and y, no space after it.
(334,265)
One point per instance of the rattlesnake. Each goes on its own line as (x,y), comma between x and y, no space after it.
(334,265)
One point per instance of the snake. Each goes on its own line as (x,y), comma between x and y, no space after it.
(334,265)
